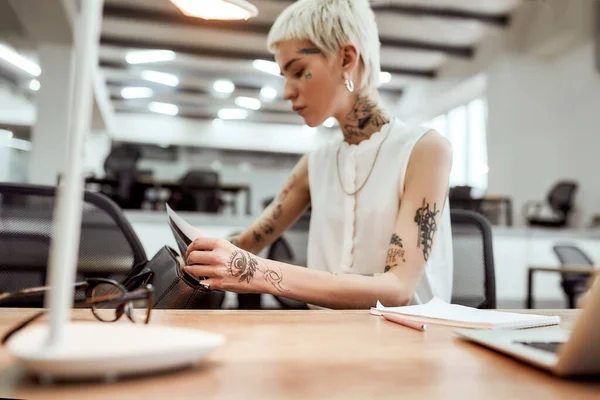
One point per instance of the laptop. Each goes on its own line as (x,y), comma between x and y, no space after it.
(560,352)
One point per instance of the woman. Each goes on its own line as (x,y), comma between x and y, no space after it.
(378,191)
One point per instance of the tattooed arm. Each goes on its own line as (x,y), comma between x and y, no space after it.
(426,187)
(285,209)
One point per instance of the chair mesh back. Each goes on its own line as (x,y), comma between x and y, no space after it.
(108,247)
(560,197)
(473,280)
(572,256)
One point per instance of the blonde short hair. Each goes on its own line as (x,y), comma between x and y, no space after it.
(330,25)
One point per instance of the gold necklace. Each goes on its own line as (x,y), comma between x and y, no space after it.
(337,164)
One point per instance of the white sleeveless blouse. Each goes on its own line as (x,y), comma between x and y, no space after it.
(351,234)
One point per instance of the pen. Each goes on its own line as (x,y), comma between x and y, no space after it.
(409,324)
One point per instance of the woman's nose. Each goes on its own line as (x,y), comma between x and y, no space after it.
(289,91)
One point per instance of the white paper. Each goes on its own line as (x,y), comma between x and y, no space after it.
(184,232)
(438,311)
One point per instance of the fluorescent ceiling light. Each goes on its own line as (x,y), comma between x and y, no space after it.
(163,108)
(232,113)
(136,92)
(248,102)
(9,55)
(329,122)
(224,86)
(269,67)
(385,77)
(217,9)
(5,135)
(149,56)
(268,93)
(160,77)
(34,85)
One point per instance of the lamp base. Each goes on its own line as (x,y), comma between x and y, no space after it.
(99,350)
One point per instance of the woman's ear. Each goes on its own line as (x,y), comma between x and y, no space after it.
(350,58)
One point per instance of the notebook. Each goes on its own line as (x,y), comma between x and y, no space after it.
(439,312)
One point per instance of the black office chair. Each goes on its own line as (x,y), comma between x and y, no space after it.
(120,165)
(460,197)
(573,284)
(200,192)
(474,280)
(560,199)
(108,245)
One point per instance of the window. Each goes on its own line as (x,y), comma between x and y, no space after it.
(465,128)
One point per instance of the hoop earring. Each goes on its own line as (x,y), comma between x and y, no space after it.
(349,85)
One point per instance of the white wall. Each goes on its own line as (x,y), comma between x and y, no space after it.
(15,109)
(159,129)
(543,126)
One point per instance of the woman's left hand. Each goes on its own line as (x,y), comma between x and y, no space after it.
(223,266)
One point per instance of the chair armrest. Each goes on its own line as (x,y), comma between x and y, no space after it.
(576,269)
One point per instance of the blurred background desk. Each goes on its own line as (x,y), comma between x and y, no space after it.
(136,193)
(317,355)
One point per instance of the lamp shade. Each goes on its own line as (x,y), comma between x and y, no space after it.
(217,9)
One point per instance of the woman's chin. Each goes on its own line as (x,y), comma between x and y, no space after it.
(312,122)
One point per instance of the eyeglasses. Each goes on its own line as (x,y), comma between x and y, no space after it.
(108,299)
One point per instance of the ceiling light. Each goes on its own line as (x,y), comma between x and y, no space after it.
(9,55)
(136,92)
(268,93)
(160,77)
(164,108)
(224,86)
(34,85)
(248,102)
(218,123)
(329,122)
(217,9)
(5,135)
(269,67)
(232,113)
(385,77)
(149,56)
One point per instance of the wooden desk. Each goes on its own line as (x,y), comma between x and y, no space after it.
(317,354)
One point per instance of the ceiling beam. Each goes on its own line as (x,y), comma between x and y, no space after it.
(202,115)
(444,12)
(140,14)
(382,6)
(201,51)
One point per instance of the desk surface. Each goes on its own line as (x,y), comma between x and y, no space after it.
(317,354)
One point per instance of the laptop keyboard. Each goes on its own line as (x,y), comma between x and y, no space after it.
(546,346)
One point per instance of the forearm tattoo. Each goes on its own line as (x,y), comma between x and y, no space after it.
(395,253)
(364,114)
(425,220)
(243,265)
(267,225)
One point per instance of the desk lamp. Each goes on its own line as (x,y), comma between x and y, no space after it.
(75,350)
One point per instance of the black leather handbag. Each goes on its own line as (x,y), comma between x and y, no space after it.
(173,287)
